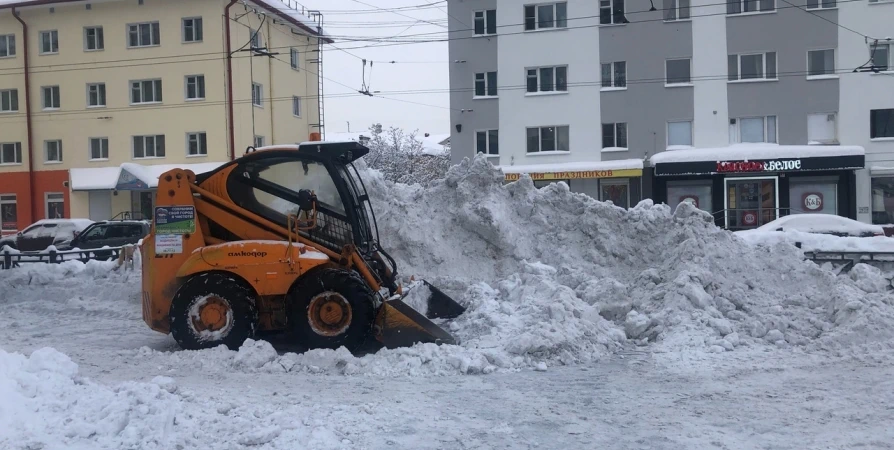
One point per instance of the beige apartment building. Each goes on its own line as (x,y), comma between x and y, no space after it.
(99,97)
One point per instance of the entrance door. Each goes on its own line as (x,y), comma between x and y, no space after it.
(751,202)
(100,205)
(142,204)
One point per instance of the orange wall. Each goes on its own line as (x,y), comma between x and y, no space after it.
(44,181)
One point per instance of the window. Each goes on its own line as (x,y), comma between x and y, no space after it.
(546,16)
(548,139)
(52,151)
(753,129)
(678,71)
(49,42)
(11,153)
(195,87)
(616,191)
(881,123)
(676,9)
(881,56)
(813,195)
(487,142)
(296,106)
(96,94)
(548,79)
(294,58)
(9,100)
(486,84)
(820,62)
(145,91)
(7,45)
(611,12)
(614,135)
(749,6)
(192,29)
(822,128)
(485,22)
(99,148)
(255,38)
(257,94)
(259,141)
(149,146)
(51,97)
(9,216)
(679,133)
(55,204)
(882,200)
(822,4)
(196,144)
(144,34)
(696,192)
(614,74)
(759,66)
(93,39)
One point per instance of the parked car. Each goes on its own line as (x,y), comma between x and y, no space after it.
(110,233)
(44,233)
(823,224)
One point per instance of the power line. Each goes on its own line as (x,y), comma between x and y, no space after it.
(828,20)
(395,12)
(381,10)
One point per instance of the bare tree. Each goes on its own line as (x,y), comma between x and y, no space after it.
(401,158)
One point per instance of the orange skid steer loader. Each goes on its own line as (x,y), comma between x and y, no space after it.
(281,239)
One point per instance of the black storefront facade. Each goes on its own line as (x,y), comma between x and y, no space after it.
(745,194)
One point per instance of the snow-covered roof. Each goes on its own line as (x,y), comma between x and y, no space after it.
(435,144)
(882,169)
(286,10)
(583,166)
(751,151)
(103,178)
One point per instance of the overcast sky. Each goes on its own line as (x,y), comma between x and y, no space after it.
(419,66)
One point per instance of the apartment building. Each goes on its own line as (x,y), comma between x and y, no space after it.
(749,109)
(97,98)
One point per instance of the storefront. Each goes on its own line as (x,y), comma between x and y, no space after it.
(128,191)
(620,182)
(745,187)
(882,194)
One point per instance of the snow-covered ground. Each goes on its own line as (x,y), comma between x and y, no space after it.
(588,326)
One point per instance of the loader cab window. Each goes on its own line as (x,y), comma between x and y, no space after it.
(269,187)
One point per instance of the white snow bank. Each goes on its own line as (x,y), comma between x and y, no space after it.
(820,223)
(581,166)
(817,242)
(752,151)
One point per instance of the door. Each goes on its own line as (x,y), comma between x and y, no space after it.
(100,205)
(751,202)
(142,205)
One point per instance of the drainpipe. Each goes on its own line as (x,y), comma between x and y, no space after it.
(31,189)
(231,119)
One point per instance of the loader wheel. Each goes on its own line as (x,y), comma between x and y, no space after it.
(330,308)
(211,309)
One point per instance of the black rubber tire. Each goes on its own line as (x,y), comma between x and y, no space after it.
(347,283)
(239,296)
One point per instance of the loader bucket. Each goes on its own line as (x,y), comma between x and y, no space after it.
(432,302)
(402,326)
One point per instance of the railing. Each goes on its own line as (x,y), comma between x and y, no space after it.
(847,260)
(10,259)
(130,215)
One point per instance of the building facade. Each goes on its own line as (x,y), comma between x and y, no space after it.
(97,96)
(629,99)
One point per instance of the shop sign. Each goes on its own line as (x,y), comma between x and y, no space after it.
(758,166)
(690,198)
(812,201)
(578,175)
(8,225)
(128,182)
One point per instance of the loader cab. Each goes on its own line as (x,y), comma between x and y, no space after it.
(268,182)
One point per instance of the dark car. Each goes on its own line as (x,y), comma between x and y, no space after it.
(110,233)
(44,233)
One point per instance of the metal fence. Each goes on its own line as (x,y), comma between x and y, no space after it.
(11,259)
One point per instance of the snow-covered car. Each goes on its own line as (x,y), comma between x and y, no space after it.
(822,224)
(44,233)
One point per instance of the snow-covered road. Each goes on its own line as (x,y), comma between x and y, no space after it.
(751,398)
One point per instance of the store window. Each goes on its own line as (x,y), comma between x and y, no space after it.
(617,191)
(697,192)
(814,195)
(8,213)
(751,202)
(883,200)
(55,205)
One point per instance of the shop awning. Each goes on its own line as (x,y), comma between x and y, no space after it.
(576,170)
(128,176)
(751,158)
(887,169)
